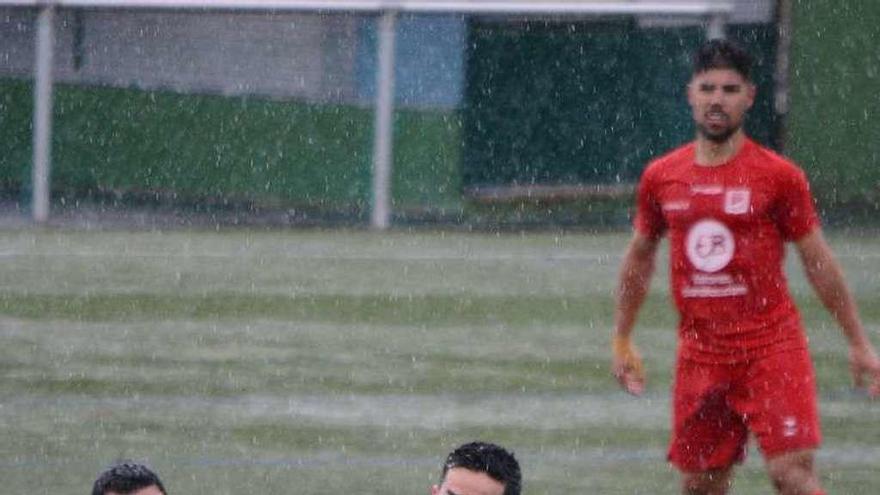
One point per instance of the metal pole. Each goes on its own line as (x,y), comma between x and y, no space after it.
(383,133)
(781,75)
(43,113)
(715,27)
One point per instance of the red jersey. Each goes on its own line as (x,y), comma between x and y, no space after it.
(727,227)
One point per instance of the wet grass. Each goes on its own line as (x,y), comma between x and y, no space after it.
(368,309)
(326,362)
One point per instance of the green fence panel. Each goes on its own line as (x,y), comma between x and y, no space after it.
(834,130)
(16,116)
(200,149)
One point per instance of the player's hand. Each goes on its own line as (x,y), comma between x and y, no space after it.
(865,367)
(626,365)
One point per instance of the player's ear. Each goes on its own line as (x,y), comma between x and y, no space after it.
(751,92)
(435,490)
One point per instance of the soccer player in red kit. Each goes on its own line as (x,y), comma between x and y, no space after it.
(728,206)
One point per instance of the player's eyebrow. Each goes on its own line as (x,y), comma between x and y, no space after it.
(450,492)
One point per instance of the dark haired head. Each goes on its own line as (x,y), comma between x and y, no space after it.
(487,458)
(723,54)
(126,477)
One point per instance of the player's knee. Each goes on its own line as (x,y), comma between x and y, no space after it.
(714,482)
(793,472)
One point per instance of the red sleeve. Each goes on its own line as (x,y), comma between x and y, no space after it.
(649,217)
(796,212)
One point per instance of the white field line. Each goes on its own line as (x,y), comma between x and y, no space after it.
(415,253)
(414,411)
(322,256)
(827,456)
(596,258)
(408,411)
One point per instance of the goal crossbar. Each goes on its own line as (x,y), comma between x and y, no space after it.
(414,6)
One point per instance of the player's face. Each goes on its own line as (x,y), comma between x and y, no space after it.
(719,99)
(461,481)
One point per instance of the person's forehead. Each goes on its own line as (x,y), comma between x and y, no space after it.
(461,481)
(719,76)
(150,490)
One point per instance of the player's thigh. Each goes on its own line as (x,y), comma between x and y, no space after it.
(779,399)
(707,433)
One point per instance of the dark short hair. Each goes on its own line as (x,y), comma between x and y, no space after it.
(487,458)
(126,477)
(723,54)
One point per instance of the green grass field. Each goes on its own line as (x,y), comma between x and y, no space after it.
(288,362)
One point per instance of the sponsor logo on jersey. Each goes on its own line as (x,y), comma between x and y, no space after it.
(712,291)
(709,245)
(789,426)
(707,189)
(676,205)
(736,201)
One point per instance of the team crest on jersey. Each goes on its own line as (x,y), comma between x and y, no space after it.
(709,245)
(736,201)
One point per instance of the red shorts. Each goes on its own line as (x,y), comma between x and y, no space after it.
(715,406)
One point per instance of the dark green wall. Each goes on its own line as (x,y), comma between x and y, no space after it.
(586,102)
(834,122)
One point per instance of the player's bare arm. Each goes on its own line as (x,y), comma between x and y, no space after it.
(827,278)
(635,278)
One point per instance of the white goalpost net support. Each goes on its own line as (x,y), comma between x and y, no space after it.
(714,14)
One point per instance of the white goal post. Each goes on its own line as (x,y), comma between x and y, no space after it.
(713,12)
